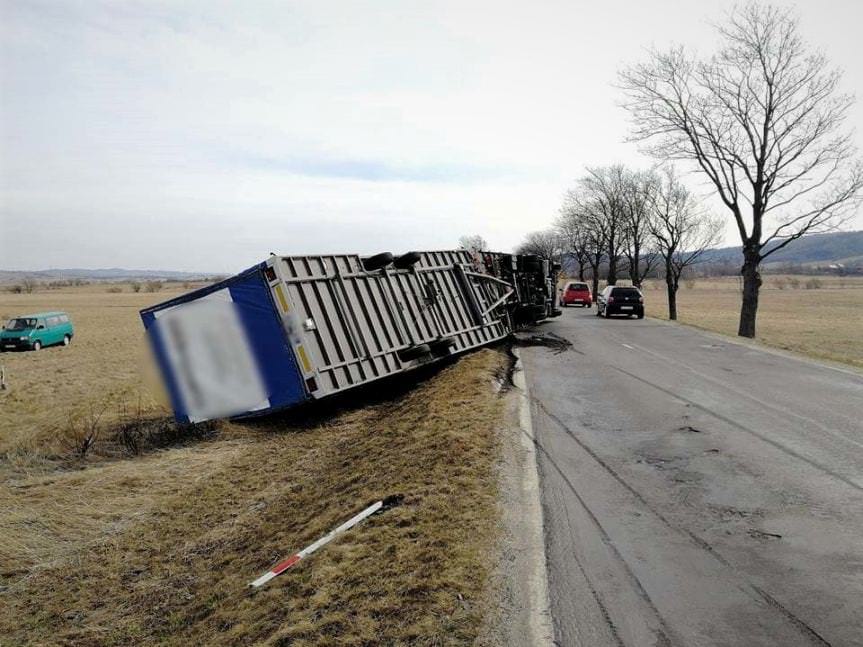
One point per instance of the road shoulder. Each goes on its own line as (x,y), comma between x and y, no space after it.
(522,578)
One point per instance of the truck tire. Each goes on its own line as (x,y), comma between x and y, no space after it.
(37,345)
(414,352)
(441,347)
(407,260)
(376,262)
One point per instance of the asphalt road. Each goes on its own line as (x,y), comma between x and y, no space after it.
(696,491)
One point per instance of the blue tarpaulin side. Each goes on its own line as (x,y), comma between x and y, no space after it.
(273,355)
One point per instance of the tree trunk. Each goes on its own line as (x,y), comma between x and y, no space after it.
(581,270)
(594,266)
(634,262)
(751,286)
(633,273)
(671,284)
(611,248)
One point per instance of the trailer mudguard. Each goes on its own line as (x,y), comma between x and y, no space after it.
(222,351)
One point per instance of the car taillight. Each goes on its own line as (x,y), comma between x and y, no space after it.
(641,299)
(611,299)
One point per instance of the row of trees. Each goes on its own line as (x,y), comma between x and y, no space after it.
(631,223)
(762,119)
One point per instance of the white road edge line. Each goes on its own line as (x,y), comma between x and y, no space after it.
(628,346)
(281,567)
(541,627)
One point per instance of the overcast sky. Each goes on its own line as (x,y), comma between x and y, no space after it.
(204,135)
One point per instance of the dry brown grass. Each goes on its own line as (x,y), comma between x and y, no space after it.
(159,549)
(102,372)
(825,323)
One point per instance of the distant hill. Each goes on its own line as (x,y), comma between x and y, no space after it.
(816,250)
(820,253)
(110,274)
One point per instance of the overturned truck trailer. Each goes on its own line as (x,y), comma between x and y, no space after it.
(299,328)
(534,284)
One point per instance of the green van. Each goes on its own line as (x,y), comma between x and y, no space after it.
(35,331)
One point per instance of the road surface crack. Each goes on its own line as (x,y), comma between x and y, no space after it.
(745,429)
(760,593)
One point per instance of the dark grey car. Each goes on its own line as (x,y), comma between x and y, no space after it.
(614,300)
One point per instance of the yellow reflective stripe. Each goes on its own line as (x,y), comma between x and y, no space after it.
(281,297)
(307,365)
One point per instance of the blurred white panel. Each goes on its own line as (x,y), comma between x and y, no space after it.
(211,358)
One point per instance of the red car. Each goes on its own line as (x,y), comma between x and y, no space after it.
(576,294)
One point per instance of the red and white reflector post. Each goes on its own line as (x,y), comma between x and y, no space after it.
(281,567)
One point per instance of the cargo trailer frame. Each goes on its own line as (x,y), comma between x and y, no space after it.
(350,326)
(298,328)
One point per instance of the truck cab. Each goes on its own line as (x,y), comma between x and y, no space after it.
(34,332)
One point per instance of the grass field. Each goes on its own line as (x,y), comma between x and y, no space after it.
(824,322)
(158,548)
(104,374)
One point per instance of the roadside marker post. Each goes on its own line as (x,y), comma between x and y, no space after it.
(282,566)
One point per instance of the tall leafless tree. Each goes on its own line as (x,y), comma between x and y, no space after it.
(682,231)
(575,237)
(601,201)
(579,231)
(637,191)
(545,243)
(763,120)
(595,256)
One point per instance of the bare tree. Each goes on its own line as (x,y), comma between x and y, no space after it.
(579,230)
(545,243)
(681,229)
(763,120)
(595,257)
(637,192)
(575,237)
(601,201)
(473,244)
